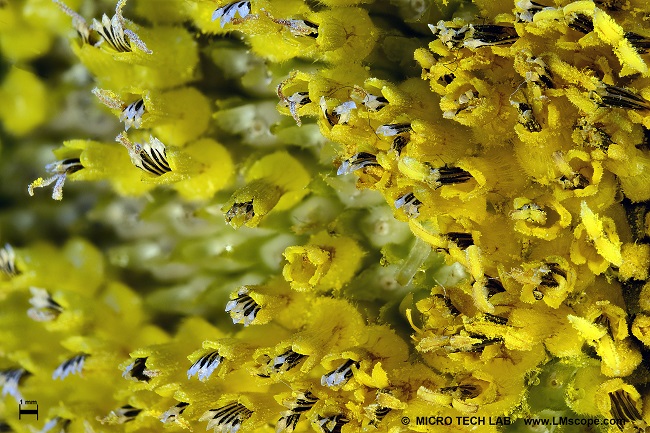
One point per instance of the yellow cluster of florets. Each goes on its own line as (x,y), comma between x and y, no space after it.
(491,263)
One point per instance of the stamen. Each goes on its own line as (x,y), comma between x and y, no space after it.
(410,204)
(399,143)
(393,129)
(332,424)
(526,116)
(59,170)
(132,114)
(10,379)
(339,376)
(462,240)
(227,12)
(581,23)
(205,366)
(304,402)
(356,162)
(172,414)
(73,365)
(240,213)
(463,392)
(448,175)
(124,414)
(374,103)
(452,37)
(62,424)
(284,362)
(45,309)
(227,419)
(618,97)
(593,135)
(483,35)
(138,371)
(150,157)
(113,31)
(377,413)
(340,115)
(294,102)
(78,22)
(8,261)
(623,408)
(529,8)
(243,309)
(639,42)
(299,27)
(493,286)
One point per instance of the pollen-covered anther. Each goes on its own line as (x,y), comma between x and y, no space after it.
(332,423)
(59,171)
(138,371)
(618,97)
(124,414)
(243,309)
(114,32)
(304,402)
(240,213)
(173,413)
(8,261)
(10,379)
(73,365)
(357,162)
(150,157)
(339,376)
(410,205)
(226,419)
(227,13)
(205,366)
(526,116)
(44,308)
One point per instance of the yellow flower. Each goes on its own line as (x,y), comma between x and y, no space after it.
(325,263)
